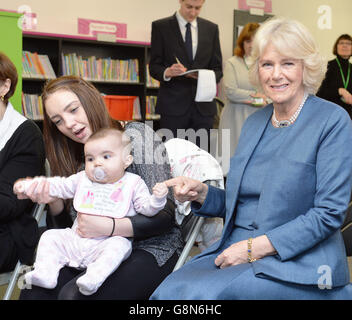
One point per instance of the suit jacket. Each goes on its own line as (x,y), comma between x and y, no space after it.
(304,198)
(177,95)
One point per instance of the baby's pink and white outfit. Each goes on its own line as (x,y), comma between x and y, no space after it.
(100,256)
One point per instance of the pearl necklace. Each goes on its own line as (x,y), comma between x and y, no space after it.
(286,123)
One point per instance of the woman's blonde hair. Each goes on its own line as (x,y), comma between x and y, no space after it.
(293,40)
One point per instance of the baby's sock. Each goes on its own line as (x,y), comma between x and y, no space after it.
(45,279)
(88,284)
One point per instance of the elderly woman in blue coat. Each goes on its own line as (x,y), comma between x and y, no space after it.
(287,189)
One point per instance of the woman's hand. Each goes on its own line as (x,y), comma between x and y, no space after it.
(262,96)
(347,97)
(235,254)
(187,189)
(90,226)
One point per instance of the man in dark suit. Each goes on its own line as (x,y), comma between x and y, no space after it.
(175,48)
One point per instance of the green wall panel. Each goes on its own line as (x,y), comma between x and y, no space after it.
(11,45)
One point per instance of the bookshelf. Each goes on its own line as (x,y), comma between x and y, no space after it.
(104,55)
(151,95)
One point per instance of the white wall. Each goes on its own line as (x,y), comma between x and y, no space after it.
(306,11)
(61,16)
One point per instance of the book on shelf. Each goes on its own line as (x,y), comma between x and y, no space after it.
(32,106)
(36,65)
(151,82)
(136,109)
(150,108)
(101,69)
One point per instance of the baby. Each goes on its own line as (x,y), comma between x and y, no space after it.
(103,188)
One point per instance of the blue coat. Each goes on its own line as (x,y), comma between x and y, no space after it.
(305,195)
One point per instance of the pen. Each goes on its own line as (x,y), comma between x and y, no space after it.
(178,61)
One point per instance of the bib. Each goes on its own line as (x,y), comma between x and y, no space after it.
(110,199)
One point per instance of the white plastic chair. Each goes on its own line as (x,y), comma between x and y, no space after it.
(11,277)
(186,159)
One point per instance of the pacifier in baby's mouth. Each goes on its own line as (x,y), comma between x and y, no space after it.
(99,174)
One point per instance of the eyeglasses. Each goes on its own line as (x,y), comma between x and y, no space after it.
(347,43)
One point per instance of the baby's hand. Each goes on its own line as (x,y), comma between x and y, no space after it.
(19,188)
(160,190)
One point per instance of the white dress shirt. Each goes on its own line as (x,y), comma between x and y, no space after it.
(194,30)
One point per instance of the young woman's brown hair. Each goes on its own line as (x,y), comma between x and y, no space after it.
(65,155)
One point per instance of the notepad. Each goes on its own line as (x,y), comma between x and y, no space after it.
(206,84)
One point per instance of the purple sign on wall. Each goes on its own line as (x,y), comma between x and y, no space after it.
(92,27)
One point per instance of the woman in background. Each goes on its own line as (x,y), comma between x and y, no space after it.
(241,97)
(21,155)
(337,85)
